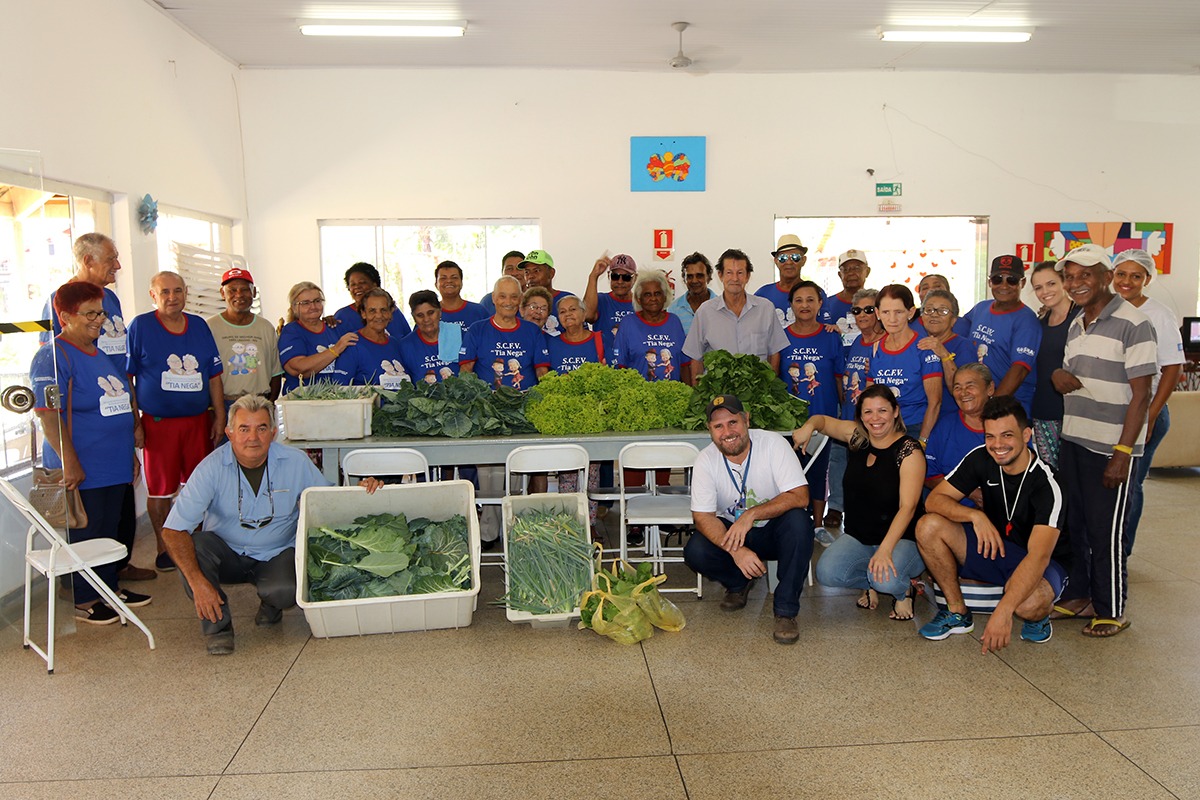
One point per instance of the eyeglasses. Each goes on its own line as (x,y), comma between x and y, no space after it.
(320,301)
(92,316)
(860,310)
(852,266)
(795,258)
(255,524)
(935,312)
(1011,280)
(620,276)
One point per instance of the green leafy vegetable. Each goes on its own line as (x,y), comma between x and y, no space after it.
(597,398)
(459,407)
(549,561)
(385,555)
(328,390)
(755,384)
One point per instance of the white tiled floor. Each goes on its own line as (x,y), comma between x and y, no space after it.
(860,707)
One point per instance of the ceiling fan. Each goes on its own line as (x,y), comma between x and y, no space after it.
(680,60)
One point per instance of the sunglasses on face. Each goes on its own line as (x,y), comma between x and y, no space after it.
(935,312)
(860,310)
(1011,280)
(795,258)
(619,276)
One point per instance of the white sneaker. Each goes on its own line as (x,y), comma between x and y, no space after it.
(823,537)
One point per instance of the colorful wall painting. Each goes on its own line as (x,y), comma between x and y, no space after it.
(1052,240)
(667,163)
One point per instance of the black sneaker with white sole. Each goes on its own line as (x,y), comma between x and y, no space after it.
(133,599)
(98,614)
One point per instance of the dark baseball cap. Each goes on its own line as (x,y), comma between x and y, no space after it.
(1012,264)
(729,402)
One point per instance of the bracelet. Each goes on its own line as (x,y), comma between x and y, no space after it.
(1121,448)
(948,357)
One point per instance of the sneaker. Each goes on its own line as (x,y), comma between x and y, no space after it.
(636,536)
(833,518)
(1038,631)
(164,563)
(132,573)
(268,615)
(219,644)
(133,599)
(947,623)
(786,631)
(736,601)
(823,537)
(98,614)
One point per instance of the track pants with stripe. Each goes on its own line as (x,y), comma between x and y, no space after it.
(1096,526)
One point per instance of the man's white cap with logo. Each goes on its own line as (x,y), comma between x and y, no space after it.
(852,255)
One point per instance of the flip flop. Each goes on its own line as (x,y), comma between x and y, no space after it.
(1062,612)
(1116,625)
(871,598)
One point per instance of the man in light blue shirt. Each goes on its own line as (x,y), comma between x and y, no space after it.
(697,273)
(246,496)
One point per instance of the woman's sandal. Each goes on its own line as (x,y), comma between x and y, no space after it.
(908,598)
(868,600)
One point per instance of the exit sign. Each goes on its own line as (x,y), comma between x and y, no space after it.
(887,190)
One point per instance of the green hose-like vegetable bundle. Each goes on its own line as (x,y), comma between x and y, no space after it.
(549,562)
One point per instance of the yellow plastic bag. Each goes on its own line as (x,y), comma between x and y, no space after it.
(629,626)
(661,612)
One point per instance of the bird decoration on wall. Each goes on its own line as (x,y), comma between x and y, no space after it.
(148,214)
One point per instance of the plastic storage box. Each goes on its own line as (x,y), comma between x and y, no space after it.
(573,503)
(324,420)
(340,505)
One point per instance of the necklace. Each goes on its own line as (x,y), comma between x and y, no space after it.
(1008,513)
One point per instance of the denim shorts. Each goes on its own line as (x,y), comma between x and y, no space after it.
(998,570)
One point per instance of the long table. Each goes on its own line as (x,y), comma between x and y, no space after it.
(443,451)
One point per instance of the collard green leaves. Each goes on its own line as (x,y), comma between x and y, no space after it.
(458,407)
(755,384)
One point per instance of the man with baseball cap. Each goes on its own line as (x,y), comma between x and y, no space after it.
(1105,379)
(606,311)
(1132,272)
(539,271)
(790,255)
(247,343)
(749,506)
(853,270)
(1006,332)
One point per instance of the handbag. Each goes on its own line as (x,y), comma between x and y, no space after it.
(49,495)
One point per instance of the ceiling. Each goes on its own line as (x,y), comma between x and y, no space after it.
(1116,36)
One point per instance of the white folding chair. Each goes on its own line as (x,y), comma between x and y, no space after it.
(650,507)
(62,558)
(816,444)
(388,461)
(531,460)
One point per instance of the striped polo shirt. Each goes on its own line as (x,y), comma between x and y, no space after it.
(1118,346)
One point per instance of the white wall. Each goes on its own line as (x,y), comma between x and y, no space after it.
(116,96)
(555,146)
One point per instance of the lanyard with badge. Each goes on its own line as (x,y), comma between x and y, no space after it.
(741,489)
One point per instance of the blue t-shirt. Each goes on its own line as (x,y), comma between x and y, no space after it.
(654,350)
(171,370)
(810,367)
(421,360)
(683,309)
(611,311)
(855,375)
(1004,338)
(836,311)
(373,364)
(905,372)
(112,334)
(353,322)
(467,314)
(296,340)
(779,298)
(964,353)
(101,412)
(950,440)
(488,304)
(505,357)
(567,356)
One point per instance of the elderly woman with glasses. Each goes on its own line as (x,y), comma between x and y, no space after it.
(939,310)
(308,347)
(89,418)
(1007,333)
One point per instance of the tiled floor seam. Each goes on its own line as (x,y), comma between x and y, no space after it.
(1136,766)
(888,743)
(663,715)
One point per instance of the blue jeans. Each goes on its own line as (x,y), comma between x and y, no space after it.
(787,539)
(1133,513)
(837,470)
(844,564)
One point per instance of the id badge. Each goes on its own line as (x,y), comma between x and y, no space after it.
(737,513)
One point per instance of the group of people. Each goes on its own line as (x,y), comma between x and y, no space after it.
(902,392)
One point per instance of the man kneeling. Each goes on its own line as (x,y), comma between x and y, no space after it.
(1012,542)
(749,505)
(247,494)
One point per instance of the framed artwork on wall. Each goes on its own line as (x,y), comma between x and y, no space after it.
(667,163)
(1053,240)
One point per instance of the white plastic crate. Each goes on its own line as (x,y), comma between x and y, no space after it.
(325,420)
(574,503)
(340,505)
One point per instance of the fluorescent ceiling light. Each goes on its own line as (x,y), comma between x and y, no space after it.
(417,29)
(955,34)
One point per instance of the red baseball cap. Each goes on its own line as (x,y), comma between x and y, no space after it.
(236,274)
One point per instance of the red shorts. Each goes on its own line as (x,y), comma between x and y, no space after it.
(173,448)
